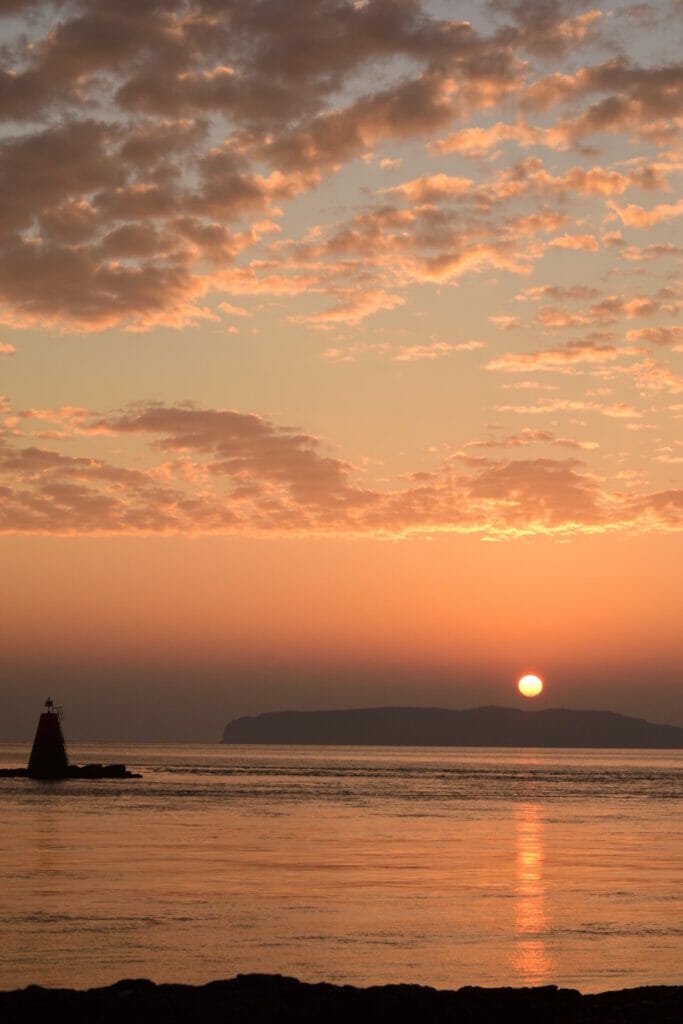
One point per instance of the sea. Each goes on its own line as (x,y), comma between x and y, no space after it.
(361,865)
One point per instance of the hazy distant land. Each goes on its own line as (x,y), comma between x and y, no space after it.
(263,997)
(443,727)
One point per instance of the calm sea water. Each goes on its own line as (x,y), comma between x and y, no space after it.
(362,865)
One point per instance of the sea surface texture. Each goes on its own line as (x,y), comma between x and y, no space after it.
(361,865)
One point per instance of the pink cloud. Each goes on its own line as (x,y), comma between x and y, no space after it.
(552,360)
(427,189)
(575,242)
(477,142)
(469,346)
(355,305)
(222,471)
(430,351)
(529,436)
(657,335)
(637,217)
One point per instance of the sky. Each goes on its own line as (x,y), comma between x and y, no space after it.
(340,358)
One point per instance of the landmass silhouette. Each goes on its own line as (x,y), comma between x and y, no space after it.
(443,727)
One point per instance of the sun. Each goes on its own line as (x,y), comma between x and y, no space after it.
(530,686)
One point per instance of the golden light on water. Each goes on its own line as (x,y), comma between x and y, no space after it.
(531,958)
(530,686)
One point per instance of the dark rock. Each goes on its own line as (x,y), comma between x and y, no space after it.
(264,998)
(75,771)
(100,771)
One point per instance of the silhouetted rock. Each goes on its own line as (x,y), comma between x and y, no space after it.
(101,771)
(261,998)
(75,771)
(442,727)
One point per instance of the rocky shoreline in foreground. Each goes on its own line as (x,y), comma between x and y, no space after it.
(265,998)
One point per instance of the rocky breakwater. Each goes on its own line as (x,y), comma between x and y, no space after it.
(76,771)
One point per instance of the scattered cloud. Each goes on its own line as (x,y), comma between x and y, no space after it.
(588,242)
(529,436)
(469,346)
(151,150)
(427,189)
(212,470)
(372,171)
(414,353)
(554,359)
(633,216)
(672,336)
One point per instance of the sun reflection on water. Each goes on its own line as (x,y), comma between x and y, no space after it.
(530,958)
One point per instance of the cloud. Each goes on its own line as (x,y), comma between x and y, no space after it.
(469,346)
(662,507)
(617,410)
(637,217)
(635,94)
(40,172)
(613,307)
(588,242)
(230,310)
(240,446)
(415,353)
(55,284)
(529,436)
(352,306)
(651,375)
(610,309)
(561,292)
(657,335)
(546,28)
(147,143)
(531,176)
(6,349)
(646,103)
(505,322)
(554,359)
(420,352)
(427,189)
(143,133)
(540,491)
(649,252)
(477,142)
(216,471)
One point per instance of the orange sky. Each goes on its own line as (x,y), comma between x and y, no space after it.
(340,356)
(206,627)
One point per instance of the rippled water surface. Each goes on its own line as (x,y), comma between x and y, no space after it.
(362,865)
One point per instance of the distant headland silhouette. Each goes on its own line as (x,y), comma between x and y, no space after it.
(444,727)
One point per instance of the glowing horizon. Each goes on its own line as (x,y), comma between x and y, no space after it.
(343,341)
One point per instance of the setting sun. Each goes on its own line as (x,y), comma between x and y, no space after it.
(530,686)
